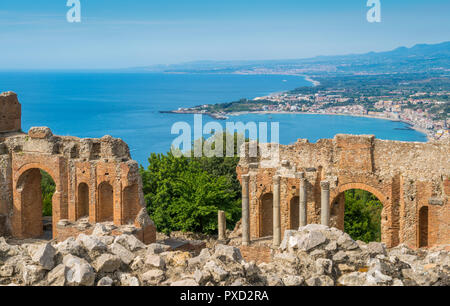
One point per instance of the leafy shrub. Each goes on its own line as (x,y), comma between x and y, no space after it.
(48,188)
(362,216)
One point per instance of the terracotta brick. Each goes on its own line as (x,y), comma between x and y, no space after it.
(10,112)
(93,177)
(404,176)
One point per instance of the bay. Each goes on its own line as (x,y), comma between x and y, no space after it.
(128,105)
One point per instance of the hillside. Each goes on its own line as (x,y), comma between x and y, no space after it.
(419,58)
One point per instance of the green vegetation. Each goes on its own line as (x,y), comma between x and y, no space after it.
(243,105)
(362,216)
(184,194)
(48,188)
(364,90)
(393,85)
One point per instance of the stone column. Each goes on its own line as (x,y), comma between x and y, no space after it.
(302,200)
(325,203)
(245,210)
(222,225)
(276,212)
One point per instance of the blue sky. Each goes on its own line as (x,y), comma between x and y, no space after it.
(117,33)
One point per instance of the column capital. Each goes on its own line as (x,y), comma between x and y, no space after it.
(245,177)
(325,185)
(276,179)
(300,175)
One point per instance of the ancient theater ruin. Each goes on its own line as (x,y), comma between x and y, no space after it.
(96,181)
(305,183)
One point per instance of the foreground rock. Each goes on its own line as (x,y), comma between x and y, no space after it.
(314,255)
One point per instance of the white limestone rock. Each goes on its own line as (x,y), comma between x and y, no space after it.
(322,281)
(43,255)
(293,280)
(57,276)
(125,255)
(79,273)
(91,243)
(70,246)
(130,242)
(157,248)
(129,280)
(225,252)
(105,282)
(153,277)
(33,274)
(184,283)
(107,263)
(155,261)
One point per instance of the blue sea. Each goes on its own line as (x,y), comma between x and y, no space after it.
(128,105)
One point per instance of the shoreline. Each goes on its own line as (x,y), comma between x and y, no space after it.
(307,78)
(413,127)
(314,83)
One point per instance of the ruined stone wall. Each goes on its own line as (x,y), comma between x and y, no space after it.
(79,168)
(405,176)
(10,112)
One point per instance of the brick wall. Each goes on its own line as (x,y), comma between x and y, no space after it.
(404,176)
(94,177)
(10,112)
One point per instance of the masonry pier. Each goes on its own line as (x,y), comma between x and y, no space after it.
(276,211)
(245,210)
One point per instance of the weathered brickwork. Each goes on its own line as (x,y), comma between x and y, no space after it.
(10,112)
(93,177)
(410,179)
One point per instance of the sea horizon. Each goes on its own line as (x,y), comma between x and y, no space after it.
(127,106)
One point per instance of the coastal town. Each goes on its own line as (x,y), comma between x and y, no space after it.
(413,110)
(425,111)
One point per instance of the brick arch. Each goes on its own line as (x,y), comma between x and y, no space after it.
(27,213)
(50,170)
(265,204)
(349,186)
(337,214)
(82,200)
(263,190)
(105,202)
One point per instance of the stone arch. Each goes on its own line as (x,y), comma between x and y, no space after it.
(28,202)
(266,215)
(130,203)
(82,209)
(105,209)
(294,212)
(365,187)
(423,227)
(338,209)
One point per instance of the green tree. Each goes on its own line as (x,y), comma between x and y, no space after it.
(181,195)
(224,166)
(48,188)
(362,216)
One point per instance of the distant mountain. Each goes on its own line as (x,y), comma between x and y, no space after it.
(419,58)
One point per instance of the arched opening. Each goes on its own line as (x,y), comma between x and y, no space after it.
(266,215)
(423,227)
(358,213)
(105,202)
(131,207)
(294,211)
(36,189)
(83,201)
